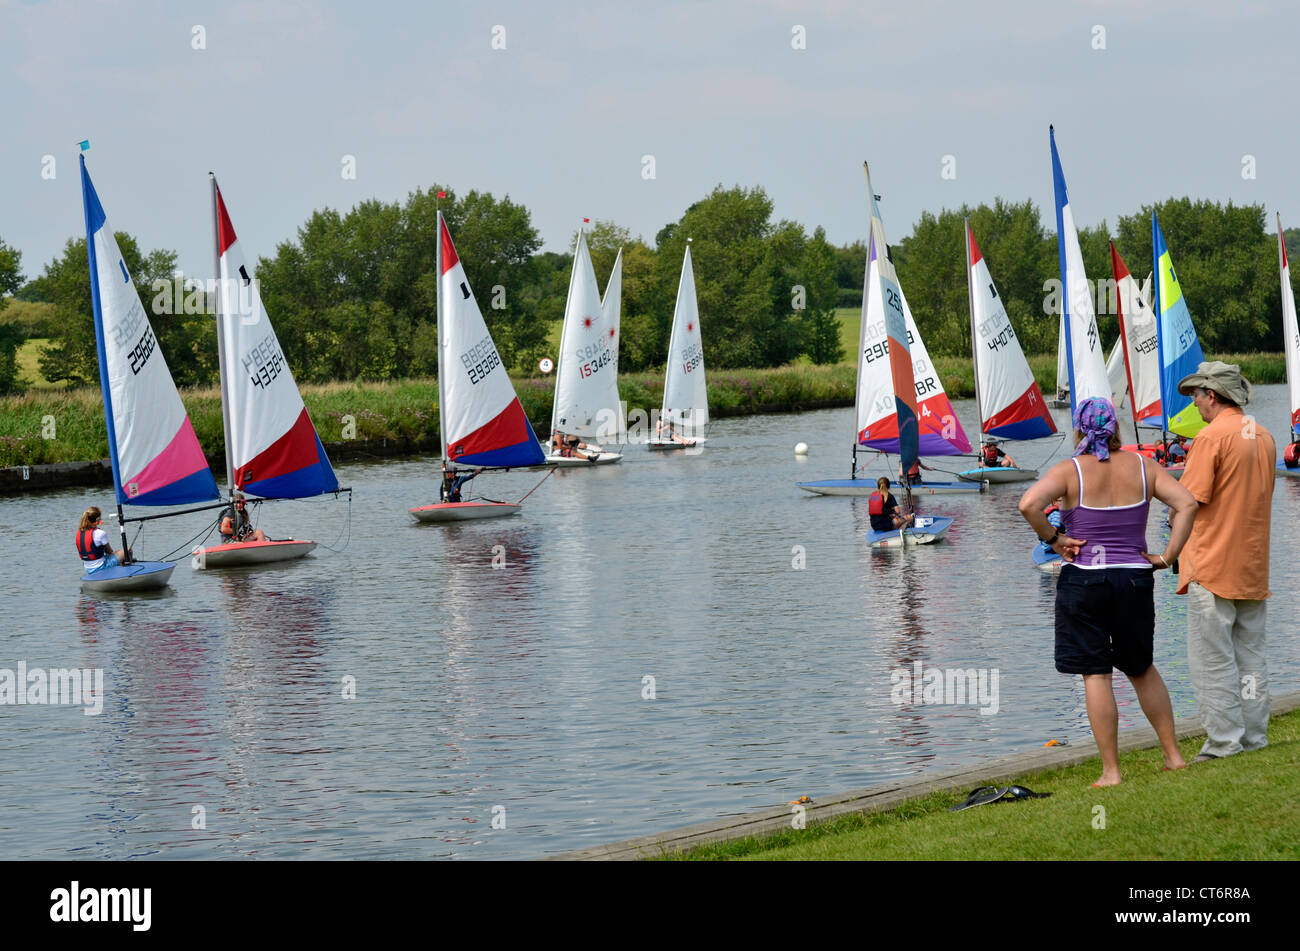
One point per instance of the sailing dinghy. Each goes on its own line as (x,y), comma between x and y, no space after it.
(686,396)
(1291,338)
(272,449)
(876,407)
(480,418)
(1138,346)
(1007,398)
(155,455)
(907,415)
(586,401)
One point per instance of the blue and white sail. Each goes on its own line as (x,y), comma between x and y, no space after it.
(155,454)
(1085,359)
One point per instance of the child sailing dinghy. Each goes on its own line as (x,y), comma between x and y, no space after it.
(480,418)
(876,405)
(906,418)
(155,455)
(272,449)
(1291,345)
(586,404)
(686,395)
(1007,399)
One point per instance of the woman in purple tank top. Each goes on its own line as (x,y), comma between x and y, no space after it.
(1105,613)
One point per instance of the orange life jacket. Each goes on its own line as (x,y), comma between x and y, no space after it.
(991,455)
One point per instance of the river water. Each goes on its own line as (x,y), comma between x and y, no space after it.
(521,693)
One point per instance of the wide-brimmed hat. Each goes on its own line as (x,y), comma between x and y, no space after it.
(1223,378)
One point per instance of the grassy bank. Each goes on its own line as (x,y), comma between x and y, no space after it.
(1242,807)
(74,419)
(408,409)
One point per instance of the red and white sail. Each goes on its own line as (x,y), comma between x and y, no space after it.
(686,397)
(1011,404)
(482,420)
(586,382)
(876,408)
(1137,325)
(1290,331)
(271,444)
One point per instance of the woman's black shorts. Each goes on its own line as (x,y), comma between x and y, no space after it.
(1105,619)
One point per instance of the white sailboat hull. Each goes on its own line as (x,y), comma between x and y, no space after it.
(604,458)
(241,554)
(463,511)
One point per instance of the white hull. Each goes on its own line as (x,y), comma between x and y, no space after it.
(1282,470)
(240,554)
(998,475)
(463,511)
(605,458)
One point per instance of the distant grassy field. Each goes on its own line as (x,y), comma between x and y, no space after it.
(29,368)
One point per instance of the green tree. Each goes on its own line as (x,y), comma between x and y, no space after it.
(820,325)
(188,342)
(1226,265)
(11,336)
(740,265)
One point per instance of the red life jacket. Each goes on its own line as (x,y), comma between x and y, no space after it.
(991,455)
(1291,455)
(87,548)
(1051,508)
(915,470)
(876,503)
(1161,455)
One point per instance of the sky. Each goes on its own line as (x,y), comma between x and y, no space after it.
(949,102)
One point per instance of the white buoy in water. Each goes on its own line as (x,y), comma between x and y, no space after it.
(801,449)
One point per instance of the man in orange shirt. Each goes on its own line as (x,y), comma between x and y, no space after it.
(1230,472)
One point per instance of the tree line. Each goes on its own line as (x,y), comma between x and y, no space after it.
(353,294)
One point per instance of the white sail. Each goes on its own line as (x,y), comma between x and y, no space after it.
(586,384)
(686,398)
(611,307)
(1062,372)
(1290,330)
(1117,375)
(1139,335)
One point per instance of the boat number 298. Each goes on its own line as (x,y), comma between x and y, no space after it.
(140,353)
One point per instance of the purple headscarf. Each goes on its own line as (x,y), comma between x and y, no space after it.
(1095,420)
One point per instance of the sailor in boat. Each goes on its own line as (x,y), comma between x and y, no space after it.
(93,546)
(1178,451)
(664,430)
(451,482)
(992,457)
(1291,455)
(571,446)
(914,473)
(236,527)
(883,509)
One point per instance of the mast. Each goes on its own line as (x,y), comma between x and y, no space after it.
(442,416)
(1160,337)
(862,346)
(1123,342)
(221,338)
(974,336)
